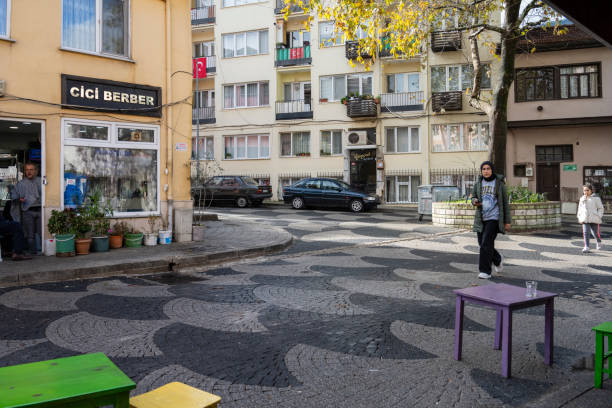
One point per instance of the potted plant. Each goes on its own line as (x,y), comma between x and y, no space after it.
(344,100)
(150,238)
(60,224)
(116,235)
(165,235)
(82,228)
(98,213)
(228,155)
(377,99)
(133,238)
(99,240)
(323,100)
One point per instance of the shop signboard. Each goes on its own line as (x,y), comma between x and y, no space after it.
(110,96)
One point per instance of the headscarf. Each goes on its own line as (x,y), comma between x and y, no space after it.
(492,177)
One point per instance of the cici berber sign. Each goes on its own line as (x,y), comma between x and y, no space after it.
(110,96)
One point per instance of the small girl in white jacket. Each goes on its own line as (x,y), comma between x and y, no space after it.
(590,213)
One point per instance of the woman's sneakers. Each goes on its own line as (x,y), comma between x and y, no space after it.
(483,275)
(599,246)
(499,268)
(585,250)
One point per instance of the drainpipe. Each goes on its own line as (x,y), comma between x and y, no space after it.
(170,133)
(426,180)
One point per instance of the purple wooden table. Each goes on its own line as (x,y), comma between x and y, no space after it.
(505,299)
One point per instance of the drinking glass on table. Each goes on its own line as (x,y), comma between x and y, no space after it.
(532,289)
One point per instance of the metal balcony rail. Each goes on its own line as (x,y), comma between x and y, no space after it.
(298,109)
(211,62)
(204,115)
(356,108)
(402,101)
(449,101)
(446,40)
(280,5)
(203,15)
(293,56)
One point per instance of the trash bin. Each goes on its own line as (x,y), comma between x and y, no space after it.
(428,194)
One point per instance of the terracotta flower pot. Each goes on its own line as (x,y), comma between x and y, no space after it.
(116,241)
(82,246)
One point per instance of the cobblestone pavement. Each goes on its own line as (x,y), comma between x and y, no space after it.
(368,325)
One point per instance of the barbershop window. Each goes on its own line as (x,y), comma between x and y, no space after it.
(120,160)
(5,18)
(97,26)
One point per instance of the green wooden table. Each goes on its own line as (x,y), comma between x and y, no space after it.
(88,380)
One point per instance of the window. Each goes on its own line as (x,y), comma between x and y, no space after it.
(298,39)
(295,144)
(408,82)
(98,26)
(118,159)
(561,153)
(204,49)
(402,189)
(601,179)
(297,91)
(464,181)
(232,3)
(246,95)
(247,147)
(326,35)
(402,140)
(5,18)
(203,99)
(558,82)
(457,77)
(331,142)
(247,43)
(520,170)
(205,148)
(460,137)
(336,87)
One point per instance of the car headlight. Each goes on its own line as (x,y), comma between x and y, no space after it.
(370,198)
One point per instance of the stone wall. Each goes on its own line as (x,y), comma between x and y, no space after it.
(525,217)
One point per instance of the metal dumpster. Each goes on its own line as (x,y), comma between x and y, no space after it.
(428,194)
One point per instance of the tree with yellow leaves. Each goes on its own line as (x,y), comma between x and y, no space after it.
(405,28)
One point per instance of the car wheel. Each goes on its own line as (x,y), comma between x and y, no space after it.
(356,206)
(242,202)
(297,203)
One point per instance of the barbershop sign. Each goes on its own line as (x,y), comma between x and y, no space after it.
(110,96)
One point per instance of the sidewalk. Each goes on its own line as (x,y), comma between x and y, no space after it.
(224,241)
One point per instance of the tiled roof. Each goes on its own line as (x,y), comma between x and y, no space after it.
(546,40)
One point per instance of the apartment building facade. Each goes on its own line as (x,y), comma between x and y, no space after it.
(94,92)
(271,105)
(560,117)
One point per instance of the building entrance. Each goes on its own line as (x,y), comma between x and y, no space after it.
(20,158)
(363,170)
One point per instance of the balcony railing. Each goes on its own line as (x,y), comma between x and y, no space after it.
(357,108)
(204,115)
(203,15)
(352,50)
(286,57)
(280,5)
(449,101)
(446,40)
(298,109)
(401,101)
(211,63)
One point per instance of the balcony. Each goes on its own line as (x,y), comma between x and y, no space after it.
(449,101)
(359,108)
(280,5)
(211,64)
(401,101)
(203,115)
(298,109)
(203,15)
(352,50)
(288,57)
(446,40)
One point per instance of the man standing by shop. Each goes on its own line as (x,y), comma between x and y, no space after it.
(28,191)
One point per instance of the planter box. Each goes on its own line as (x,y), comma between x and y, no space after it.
(525,217)
(356,108)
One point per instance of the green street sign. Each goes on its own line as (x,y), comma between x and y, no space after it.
(569,167)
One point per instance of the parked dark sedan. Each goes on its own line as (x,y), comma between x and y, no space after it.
(323,192)
(240,190)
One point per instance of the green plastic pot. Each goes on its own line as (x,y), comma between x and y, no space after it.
(133,240)
(64,245)
(99,244)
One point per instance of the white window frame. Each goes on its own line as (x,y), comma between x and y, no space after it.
(128,43)
(246,146)
(244,35)
(462,69)
(405,76)
(8,21)
(207,46)
(462,127)
(336,77)
(339,35)
(409,128)
(205,144)
(291,139)
(397,185)
(209,99)
(238,3)
(332,132)
(234,86)
(111,143)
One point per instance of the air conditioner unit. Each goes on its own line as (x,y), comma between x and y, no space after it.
(357,137)
(2,87)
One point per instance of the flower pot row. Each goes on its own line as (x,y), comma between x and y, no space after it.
(69,245)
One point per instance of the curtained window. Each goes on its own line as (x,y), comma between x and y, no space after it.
(246,95)
(247,147)
(295,144)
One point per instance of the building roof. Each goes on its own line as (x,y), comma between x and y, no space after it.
(591,16)
(545,39)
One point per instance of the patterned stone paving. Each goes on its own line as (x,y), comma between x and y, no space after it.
(370,324)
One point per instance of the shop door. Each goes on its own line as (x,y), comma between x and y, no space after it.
(363,170)
(548,180)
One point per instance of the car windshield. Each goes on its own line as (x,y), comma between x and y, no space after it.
(249,181)
(344,185)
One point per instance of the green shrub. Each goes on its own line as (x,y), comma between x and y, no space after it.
(517,194)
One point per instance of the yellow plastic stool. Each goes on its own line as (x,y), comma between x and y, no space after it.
(175,395)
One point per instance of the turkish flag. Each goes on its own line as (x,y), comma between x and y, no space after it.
(199,67)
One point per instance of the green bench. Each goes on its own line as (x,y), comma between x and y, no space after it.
(604,329)
(84,381)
